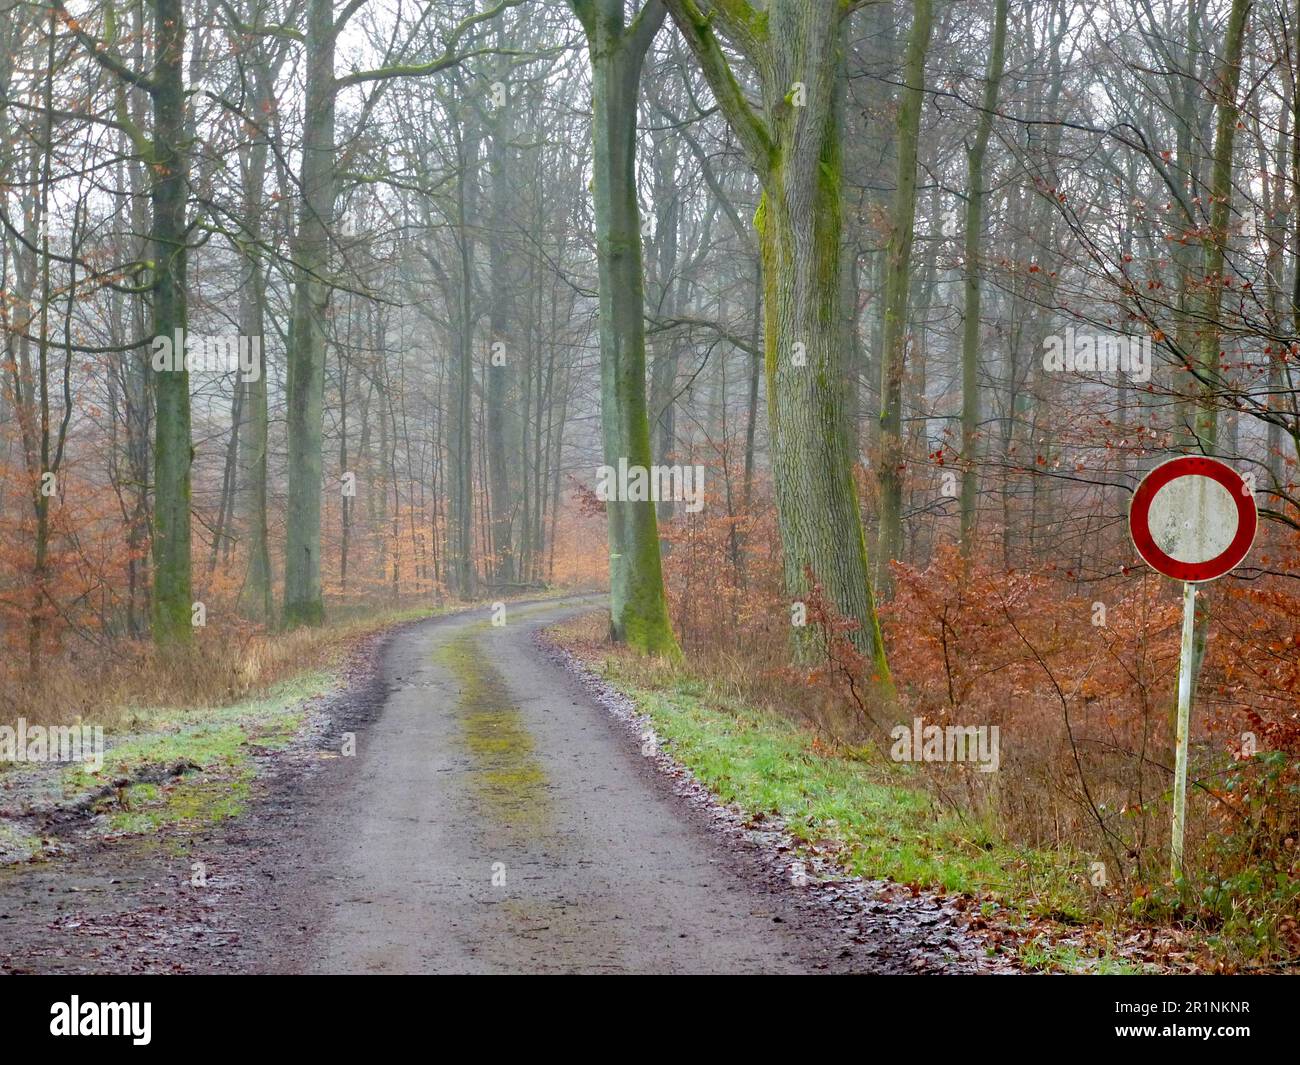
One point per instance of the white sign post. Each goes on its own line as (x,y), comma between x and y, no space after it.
(1186,663)
(1193,519)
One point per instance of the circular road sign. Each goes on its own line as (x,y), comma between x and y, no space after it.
(1193,518)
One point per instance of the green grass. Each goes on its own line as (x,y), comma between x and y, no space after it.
(873,816)
(884,826)
(189,803)
(16,845)
(1038,956)
(220,740)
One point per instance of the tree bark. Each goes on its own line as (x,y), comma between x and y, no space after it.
(970,386)
(638,611)
(793,145)
(897,283)
(173,453)
(303,599)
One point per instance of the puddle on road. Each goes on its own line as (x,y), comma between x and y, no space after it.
(506,777)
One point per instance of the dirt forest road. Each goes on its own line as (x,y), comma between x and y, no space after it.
(497,817)
(496,820)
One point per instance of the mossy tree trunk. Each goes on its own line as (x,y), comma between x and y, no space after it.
(638,611)
(1207,368)
(792,141)
(172,596)
(303,601)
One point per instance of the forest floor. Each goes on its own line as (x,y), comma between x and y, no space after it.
(502,813)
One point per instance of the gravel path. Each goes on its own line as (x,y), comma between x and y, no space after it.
(495,819)
(498,816)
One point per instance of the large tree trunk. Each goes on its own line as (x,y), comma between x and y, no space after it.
(800,237)
(172,597)
(794,147)
(638,612)
(303,602)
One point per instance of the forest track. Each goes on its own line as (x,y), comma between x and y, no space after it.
(496,818)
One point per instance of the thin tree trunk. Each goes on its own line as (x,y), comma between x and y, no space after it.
(897,284)
(970,387)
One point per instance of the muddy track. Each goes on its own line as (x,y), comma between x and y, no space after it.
(498,816)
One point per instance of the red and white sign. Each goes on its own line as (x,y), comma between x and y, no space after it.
(1193,518)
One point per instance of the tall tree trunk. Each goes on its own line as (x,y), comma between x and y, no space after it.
(501,356)
(897,284)
(172,597)
(461,423)
(970,386)
(256,595)
(303,600)
(638,612)
(793,145)
(1208,368)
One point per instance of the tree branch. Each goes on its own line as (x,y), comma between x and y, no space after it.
(750,130)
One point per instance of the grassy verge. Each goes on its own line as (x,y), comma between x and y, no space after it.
(219,745)
(870,816)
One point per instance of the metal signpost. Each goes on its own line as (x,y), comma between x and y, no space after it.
(1193,519)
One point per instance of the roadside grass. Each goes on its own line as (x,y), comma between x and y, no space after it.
(871,817)
(1042,956)
(219,748)
(123,684)
(848,803)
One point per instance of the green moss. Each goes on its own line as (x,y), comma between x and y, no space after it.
(17,845)
(505,776)
(189,803)
(221,744)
